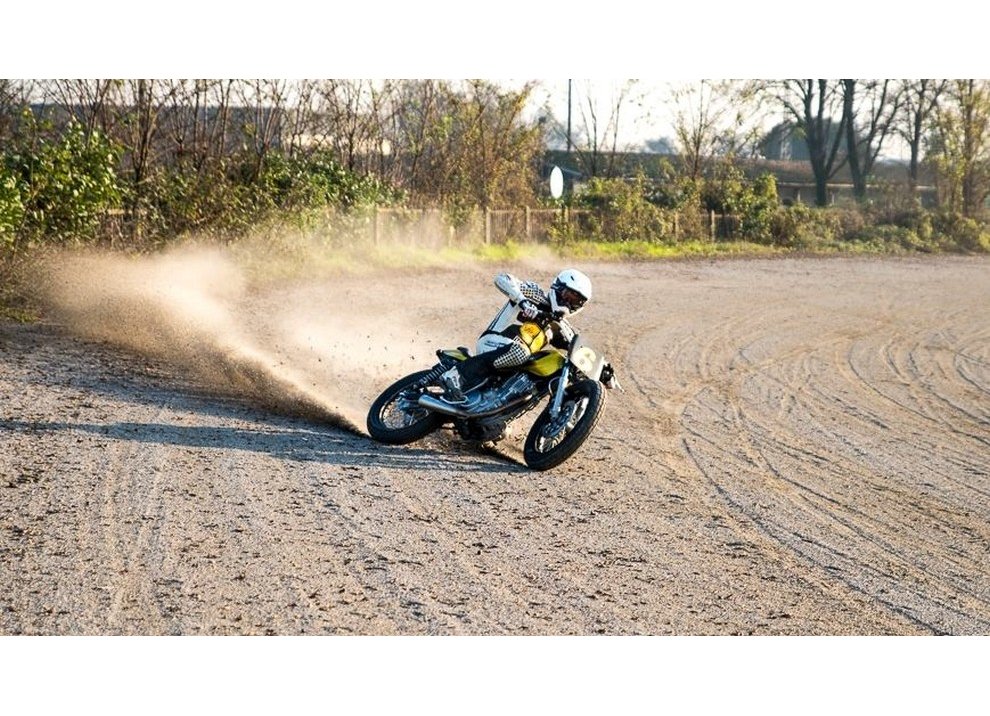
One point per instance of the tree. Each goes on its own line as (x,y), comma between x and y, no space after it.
(920,103)
(354,119)
(142,104)
(461,144)
(869,118)
(415,133)
(494,154)
(811,104)
(960,146)
(599,125)
(261,130)
(90,102)
(13,98)
(709,121)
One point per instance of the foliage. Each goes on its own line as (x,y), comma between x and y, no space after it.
(11,207)
(228,158)
(804,227)
(670,189)
(753,202)
(64,184)
(960,147)
(291,183)
(811,228)
(961,232)
(621,211)
(465,146)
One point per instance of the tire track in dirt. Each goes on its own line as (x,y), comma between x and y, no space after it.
(867,549)
(799,450)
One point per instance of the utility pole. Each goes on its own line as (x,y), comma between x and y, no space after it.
(569,116)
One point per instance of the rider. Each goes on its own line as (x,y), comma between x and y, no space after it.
(504,344)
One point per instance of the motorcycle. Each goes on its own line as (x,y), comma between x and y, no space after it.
(575,382)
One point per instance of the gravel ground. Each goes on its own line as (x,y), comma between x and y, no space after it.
(802,448)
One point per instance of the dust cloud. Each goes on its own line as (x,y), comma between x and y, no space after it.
(301,325)
(193,308)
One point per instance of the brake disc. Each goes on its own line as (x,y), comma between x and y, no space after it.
(556,430)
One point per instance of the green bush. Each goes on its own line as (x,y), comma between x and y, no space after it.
(753,202)
(807,227)
(757,205)
(620,211)
(961,232)
(317,181)
(185,200)
(66,184)
(886,238)
(803,227)
(11,208)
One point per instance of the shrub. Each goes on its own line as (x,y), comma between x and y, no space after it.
(66,184)
(961,232)
(621,212)
(317,181)
(11,208)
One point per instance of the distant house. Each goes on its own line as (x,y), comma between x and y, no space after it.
(661,146)
(786,142)
(794,177)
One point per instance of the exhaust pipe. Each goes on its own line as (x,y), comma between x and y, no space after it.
(439,406)
(428,401)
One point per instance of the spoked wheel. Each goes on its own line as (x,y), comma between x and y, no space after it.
(553,440)
(395,417)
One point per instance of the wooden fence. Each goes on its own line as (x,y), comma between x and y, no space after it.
(524,224)
(432,228)
(489,226)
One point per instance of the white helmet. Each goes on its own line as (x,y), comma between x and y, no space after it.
(569,291)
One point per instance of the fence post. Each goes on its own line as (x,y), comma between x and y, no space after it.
(488,225)
(529,225)
(711,224)
(676,225)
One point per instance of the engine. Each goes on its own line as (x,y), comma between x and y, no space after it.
(517,389)
(511,390)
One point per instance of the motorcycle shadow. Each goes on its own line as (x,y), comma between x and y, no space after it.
(287,439)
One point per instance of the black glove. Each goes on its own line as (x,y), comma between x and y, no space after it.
(608,377)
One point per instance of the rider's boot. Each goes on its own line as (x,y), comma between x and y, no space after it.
(453,393)
(468,375)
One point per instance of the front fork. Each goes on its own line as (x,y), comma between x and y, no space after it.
(558,396)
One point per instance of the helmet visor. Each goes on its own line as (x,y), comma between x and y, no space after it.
(571,298)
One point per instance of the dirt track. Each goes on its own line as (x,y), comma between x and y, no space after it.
(803,447)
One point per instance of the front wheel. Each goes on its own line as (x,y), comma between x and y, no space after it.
(551,441)
(396,419)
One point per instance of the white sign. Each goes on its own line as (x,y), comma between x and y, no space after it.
(556,183)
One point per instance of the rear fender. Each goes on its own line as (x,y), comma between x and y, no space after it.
(452,356)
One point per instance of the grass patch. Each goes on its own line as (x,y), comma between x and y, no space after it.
(645,250)
(15,302)
(285,256)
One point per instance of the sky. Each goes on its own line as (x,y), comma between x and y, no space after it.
(646,113)
(548,41)
(649,114)
(440,38)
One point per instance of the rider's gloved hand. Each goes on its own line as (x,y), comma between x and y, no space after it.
(528,310)
(608,378)
(565,332)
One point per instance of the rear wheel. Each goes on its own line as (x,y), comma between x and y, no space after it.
(395,417)
(551,441)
